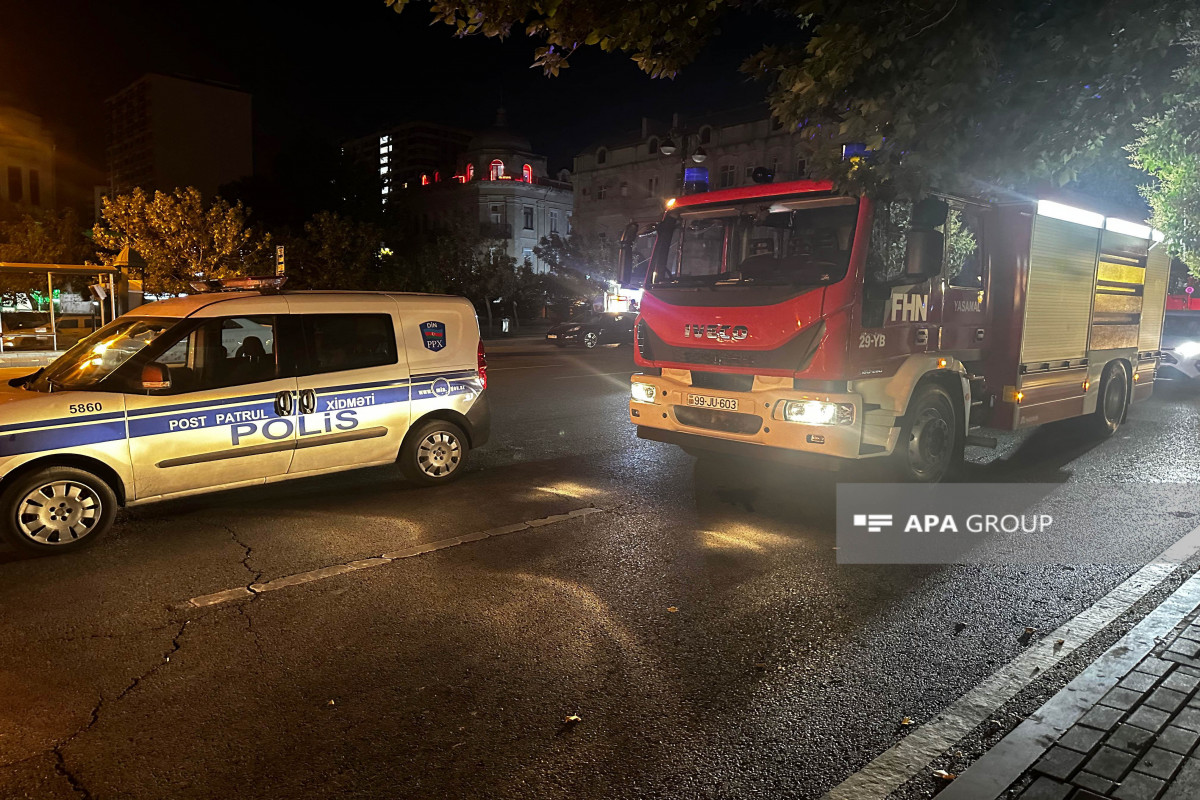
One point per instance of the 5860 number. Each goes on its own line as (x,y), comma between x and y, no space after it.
(85,408)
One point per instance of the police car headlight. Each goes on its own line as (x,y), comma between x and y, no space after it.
(643,392)
(1188,349)
(818,412)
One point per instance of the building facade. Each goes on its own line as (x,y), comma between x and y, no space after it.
(500,182)
(629,177)
(27,156)
(400,155)
(166,132)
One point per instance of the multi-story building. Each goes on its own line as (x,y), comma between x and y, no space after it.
(499,181)
(629,177)
(26,160)
(403,153)
(167,132)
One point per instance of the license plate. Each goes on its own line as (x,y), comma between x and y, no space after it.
(720,403)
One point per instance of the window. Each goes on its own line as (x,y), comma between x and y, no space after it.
(497,214)
(35,187)
(470,172)
(652,146)
(338,342)
(14,184)
(553,214)
(624,188)
(964,259)
(527,256)
(495,170)
(885,257)
(528,213)
(801,168)
(727,176)
(601,192)
(527,173)
(216,353)
(601,156)
(705,135)
(652,186)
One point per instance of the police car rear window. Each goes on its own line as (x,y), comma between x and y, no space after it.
(338,342)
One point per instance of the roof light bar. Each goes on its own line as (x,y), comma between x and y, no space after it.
(1048,208)
(267,285)
(1128,228)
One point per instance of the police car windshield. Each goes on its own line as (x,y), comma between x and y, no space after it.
(99,355)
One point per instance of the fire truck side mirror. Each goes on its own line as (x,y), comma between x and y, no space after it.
(625,254)
(923,255)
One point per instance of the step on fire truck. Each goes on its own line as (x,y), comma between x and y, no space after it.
(786,321)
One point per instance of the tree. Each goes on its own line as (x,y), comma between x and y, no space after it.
(1169,150)
(943,92)
(579,268)
(181,237)
(40,238)
(335,253)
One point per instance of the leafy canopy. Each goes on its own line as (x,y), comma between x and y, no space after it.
(1018,93)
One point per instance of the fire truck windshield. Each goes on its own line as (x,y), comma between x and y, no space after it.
(781,243)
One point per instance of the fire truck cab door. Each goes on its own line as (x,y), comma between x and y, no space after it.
(959,304)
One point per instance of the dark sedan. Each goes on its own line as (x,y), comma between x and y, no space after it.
(595,328)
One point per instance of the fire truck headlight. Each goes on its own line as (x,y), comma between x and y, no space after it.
(818,412)
(643,392)
(1188,349)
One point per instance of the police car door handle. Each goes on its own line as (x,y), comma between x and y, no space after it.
(308,401)
(283,404)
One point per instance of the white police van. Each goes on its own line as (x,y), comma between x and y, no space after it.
(226,389)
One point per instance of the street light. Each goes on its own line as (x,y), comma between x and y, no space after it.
(694,180)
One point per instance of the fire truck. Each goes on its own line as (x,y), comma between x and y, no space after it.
(786,321)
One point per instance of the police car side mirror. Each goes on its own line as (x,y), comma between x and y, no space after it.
(155,376)
(923,255)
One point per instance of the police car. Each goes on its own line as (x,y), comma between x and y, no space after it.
(237,388)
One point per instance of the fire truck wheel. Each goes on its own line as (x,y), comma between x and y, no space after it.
(1114,398)
(56,510)
(930,443)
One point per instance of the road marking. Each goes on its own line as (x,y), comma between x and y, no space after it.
(535,366)
(242,592)
(896,766)
(590,375)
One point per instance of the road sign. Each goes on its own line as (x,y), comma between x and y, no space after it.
(279,263)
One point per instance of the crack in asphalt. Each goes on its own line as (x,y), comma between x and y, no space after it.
(243,608)
(60,762)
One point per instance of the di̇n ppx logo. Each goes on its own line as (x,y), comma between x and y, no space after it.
(874,523)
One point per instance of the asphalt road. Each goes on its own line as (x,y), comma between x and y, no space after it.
(697,624)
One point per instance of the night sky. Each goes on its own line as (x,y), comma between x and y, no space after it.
(352,68)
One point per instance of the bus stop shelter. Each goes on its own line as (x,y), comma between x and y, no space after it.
(102,287)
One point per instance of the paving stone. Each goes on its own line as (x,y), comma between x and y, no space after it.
(1081,738)
(1186,785)
(1121,698)
(1155,666)
(1138,681)
(1109,763)
(1046,789)
(1166,699)
(1139,787)
(1180,658)
(1181,682)
(1185,647)
(1059,762)
(1102,717)
(1149,718)
(1130,739)
(1093,782)
(1189,671)
(1177,740)
(1159,763)
(1188,718)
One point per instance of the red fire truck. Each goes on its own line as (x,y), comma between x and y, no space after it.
(787,321)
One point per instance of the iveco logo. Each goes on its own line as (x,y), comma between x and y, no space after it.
(722,333)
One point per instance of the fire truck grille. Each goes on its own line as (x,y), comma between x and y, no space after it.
(726,421)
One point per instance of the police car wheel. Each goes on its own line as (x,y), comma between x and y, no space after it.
(591,339)
(56,509)
(434,453)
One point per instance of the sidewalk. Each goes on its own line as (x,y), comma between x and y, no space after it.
(1126,728)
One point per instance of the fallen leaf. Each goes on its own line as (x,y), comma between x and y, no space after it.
(906,721)
(1030,630)
(331,703)
(672,609)
(571,720)
(946,776)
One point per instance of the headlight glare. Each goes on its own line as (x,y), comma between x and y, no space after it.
(643,392)
(818,412)
(1188,349)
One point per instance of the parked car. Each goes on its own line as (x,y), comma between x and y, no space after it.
(71,328)
(1180,347)
(594,329)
